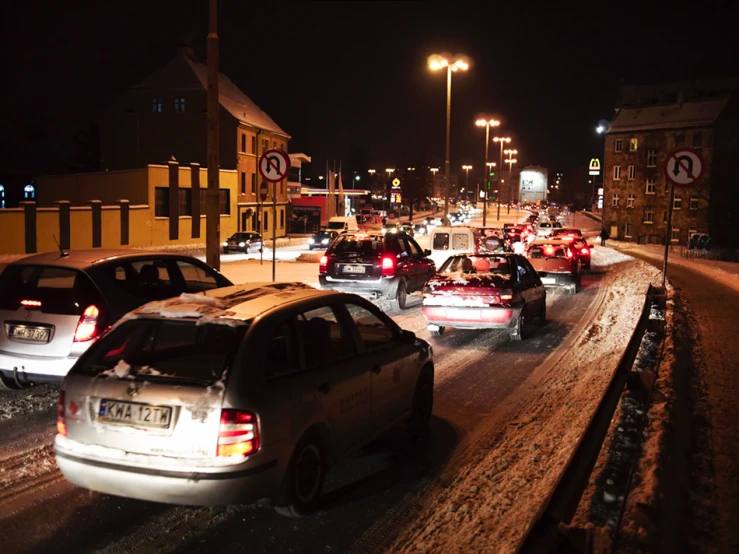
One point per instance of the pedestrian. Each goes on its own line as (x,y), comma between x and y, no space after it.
(603,236)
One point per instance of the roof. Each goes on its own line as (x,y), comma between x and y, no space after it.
(668,116)
(183,72)
(84,258)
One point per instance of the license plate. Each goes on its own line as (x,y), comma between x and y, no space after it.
(117,411)
(35,334)
(456,313)
(548,280)
(353,269)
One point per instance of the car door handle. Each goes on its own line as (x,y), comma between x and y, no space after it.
(325,388)
(376,369)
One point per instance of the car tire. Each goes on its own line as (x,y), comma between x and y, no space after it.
(303,479)
(246,249)
(436,330)
(401,294)
(519,331)
(423,404)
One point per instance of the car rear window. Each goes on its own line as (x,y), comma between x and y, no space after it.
(164,350)
(60,290)
(547,251)
(498,265)
(364,246)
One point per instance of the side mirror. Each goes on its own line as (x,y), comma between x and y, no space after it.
(427,252)
(542,273)
(407,337)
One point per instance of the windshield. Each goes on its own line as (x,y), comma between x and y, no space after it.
(165,349)
(497,265)
(547,251)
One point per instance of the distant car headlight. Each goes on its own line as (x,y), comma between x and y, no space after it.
(311,241)
(393,230)
(242,244)
(384,231)
(324,241)
(225,244)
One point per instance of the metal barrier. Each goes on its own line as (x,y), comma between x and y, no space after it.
(545,535)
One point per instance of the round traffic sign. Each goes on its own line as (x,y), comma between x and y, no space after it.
(263,188)
(684,167)
(274,165)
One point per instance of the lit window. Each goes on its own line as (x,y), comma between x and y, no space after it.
(628,228)
(618,145)
(29,192)
(651,158)
(651,187)
(156,105)
(632,172)
(633,144)
(630,201)
(675,236)
(179,105)
(616,172)
(614,202)
(694,203)
(677,203)
(697,139)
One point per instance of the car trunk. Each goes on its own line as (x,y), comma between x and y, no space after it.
(550,258)
(356,260)
(466,290)
(41,308)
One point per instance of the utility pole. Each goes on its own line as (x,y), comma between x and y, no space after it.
(486,183)
(212,216)
(448,131)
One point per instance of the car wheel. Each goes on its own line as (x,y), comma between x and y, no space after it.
(304,479)
(436,330)
(423,404)
(246,250)
(518,332)
(401,296)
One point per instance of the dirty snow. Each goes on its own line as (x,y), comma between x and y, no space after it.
(121,370)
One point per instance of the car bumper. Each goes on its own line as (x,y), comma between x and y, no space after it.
(557,280)
(472,317)
(35,369)
(209,486)
(377,287)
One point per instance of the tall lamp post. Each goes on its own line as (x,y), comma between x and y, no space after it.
(510,161)
(437,62)
(467,178)
(385,193)
(503,141)
(487,123)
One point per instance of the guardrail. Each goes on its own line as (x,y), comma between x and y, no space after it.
(545,534)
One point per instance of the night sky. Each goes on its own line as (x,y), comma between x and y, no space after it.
(353,75)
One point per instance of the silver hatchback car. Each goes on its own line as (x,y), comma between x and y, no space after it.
(239,394)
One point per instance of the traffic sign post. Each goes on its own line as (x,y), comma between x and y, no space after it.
(683,168)
(263,188)
(274,166)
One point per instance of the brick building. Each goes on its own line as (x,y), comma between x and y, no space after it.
(650,122)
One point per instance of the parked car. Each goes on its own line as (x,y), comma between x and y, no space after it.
(193,400)
(485,291)
(243,242)
(322,239)
(390,265)
(53,306)
(556,262)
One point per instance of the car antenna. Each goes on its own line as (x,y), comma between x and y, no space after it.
(59,246)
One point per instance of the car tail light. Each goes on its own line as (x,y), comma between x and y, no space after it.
(89,325)
(569,253)
(238,433)
(549,250)
(323,264)
(61,425)
(31,303)
(388,266)
(585,251)
(506,295)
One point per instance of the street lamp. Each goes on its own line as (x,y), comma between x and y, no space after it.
(459,63)
(503,141)
(467,176)
(510,161)
(487,123)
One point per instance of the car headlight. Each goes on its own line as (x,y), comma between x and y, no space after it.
(242,244)
(324,241)
(311,241)
(225,244)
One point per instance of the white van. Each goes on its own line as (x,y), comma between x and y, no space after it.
(343,223)
(448,241)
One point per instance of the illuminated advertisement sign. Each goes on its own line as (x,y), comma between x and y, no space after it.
(594,168)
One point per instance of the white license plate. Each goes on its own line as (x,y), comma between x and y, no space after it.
(117,411)
(456,313)
(548,280)
(353,269)
(35,334)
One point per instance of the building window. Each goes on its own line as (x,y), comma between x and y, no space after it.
(633,143)
(651,158)
(618,145)
(243,142)
(156,105)
(2,196)
(253,144)
(628,229)
(282,219)
(648,214)
(632,172)
(243,182)
(29,192)
(265,145)
(630,201)
(664,217)
(161,202)
(179,105)
(675,236)
(697,139)
(224,201)
(677,203)
(266,221)
(614,202)
(185,201)
(651,187)
(679,139)
(691,231)
(694,202)
(253,183)
(616,172)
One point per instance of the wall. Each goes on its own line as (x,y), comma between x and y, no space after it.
(78,189)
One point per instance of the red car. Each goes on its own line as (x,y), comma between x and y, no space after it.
(485,291)
(556,262)
(583,250)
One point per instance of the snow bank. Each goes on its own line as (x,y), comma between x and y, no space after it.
(602,257)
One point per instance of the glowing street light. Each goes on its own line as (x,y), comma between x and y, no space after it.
(503,141)
(487,123)
(466,176)
(452,64)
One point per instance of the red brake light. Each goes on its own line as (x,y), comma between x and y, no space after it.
(569,253)
(323,264)
(238,433)
(88,327)
(31,303)
(549,250)
(506,295)
(585,251)
(61,425)
(388,266)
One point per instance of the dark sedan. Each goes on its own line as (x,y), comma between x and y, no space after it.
(243,242)
(322,239)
